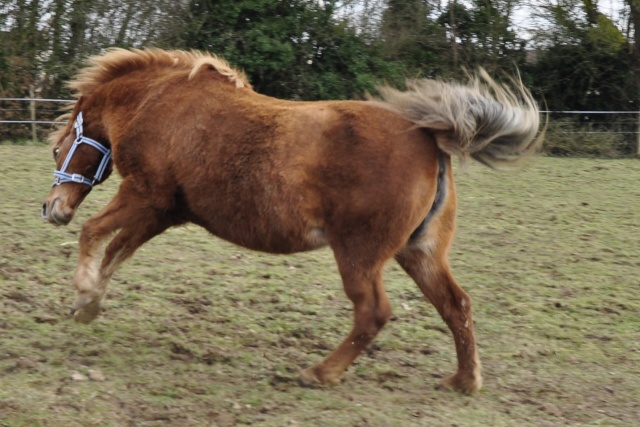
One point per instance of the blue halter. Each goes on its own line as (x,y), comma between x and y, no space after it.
(61,176)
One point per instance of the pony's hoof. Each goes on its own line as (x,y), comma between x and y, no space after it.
(315,377)
(308,378)
(462,383)
(86,314)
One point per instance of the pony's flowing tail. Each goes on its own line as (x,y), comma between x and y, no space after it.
(491,122)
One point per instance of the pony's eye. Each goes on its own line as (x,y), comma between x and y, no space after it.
(55,153)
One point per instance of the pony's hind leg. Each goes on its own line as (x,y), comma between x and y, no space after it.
(372,310)
(433,276)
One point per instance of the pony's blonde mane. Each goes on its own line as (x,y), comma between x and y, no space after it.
(116,62)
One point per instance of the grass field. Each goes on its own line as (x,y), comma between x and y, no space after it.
(197,332)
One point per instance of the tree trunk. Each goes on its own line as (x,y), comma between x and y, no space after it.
(634,17)
(77,25)
(122,34)
(454,32)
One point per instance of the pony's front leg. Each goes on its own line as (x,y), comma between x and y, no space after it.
(137,221)
(87,279)
(122,246)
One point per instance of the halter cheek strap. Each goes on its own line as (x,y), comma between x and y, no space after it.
(62,177)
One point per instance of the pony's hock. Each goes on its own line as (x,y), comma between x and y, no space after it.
(372,179)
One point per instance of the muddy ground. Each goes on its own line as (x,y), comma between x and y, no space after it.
(197,332)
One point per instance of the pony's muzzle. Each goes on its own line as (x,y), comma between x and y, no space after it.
(52,212)
(47,208)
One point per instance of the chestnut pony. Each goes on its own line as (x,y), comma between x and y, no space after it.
(372,179)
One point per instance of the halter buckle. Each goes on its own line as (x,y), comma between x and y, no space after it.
(76,177)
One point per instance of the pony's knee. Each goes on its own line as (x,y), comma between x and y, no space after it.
(89,236)
(86,234)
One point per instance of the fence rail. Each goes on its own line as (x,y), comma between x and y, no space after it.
(37,122)
(33,111)
(627,124)
(38,100)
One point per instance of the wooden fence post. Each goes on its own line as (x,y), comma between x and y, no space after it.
(638,137)
(32,95)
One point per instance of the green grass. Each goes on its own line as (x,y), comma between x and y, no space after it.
(197,332)
(22,142)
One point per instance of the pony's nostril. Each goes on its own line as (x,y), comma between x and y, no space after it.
(44,210)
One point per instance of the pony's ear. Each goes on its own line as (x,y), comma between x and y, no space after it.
(77,105)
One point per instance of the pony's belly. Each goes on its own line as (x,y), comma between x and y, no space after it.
(292,243)
(272,241)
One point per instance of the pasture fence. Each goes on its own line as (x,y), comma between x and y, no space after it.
(593,133)
(29,118)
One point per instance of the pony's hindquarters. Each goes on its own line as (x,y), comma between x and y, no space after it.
(493,124)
